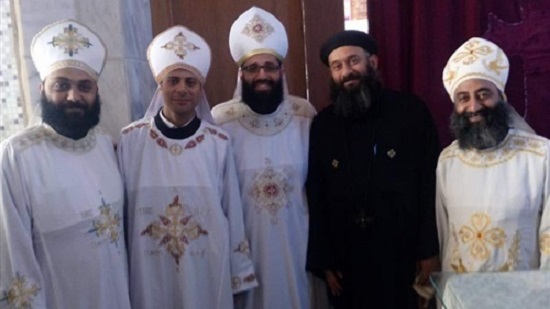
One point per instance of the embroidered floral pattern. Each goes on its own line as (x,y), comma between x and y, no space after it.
(513,254)
(258,29)
(495,65)
(270,189)
(235,283)
(108,224)
(20,293)
(472,53)
(249,278)
(267,125)
(175,230)
(511,146)
(70,40)
(136,126)
(544,243)
(180,45)
(244,248)
(458,265)
(479,235)
(456,261)
(175,148)
(44,133)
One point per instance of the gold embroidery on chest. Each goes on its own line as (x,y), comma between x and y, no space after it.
(47,134)
(108,224)
(482,254)
(267,125)
(479,236)
(509,148)
(175,230)
(20,293)
(271,188)
(176,148)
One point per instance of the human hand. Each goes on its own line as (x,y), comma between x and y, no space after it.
(333,280)
(421,285)
(426,267)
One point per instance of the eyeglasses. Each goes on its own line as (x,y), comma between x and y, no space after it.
(255,68)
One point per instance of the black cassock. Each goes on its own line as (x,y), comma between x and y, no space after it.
(371,197)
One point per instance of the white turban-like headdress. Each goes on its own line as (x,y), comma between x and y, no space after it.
(257,31)
(476,59)
(179,48)
(479,58)
(68,44)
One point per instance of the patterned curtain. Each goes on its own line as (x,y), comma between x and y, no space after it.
(416,39)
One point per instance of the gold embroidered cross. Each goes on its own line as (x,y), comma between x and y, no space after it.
(180,46)
(175,230)
(70,40)
(258,29)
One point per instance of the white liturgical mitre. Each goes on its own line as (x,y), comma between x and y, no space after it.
(476,59)
(68,44)
(178,48)
(255,32)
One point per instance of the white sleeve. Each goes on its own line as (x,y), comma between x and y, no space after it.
(442,218)
(544,229)
(242,270)
(21,283)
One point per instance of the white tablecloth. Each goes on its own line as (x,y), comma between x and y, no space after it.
(498,290)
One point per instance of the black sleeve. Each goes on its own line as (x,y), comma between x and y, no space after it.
(428,244)
(318,251)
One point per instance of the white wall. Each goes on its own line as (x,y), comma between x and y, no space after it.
(126,84)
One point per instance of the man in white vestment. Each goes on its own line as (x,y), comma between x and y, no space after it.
(270,133)
(186,239)
(61,213)
(493,181)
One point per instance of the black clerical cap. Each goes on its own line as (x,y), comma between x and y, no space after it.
(348,38)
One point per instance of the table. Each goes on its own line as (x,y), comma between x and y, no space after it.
(493,290)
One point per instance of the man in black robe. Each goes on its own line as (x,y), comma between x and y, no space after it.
(371,184)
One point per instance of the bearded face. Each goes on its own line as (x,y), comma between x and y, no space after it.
(483,134)
(262,101)
(72,119)
(356,100)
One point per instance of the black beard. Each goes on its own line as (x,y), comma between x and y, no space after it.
(262,102)
(73,126)
(485,134)
(357,101)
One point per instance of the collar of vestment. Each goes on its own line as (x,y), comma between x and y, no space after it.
(177,133)
(265,125)
(43,133)
(516,142)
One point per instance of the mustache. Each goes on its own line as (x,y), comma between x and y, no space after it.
(263,81)
(351,76)
(72,104)
(482,112)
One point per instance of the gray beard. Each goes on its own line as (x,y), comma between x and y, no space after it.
(356,102)
(481,135)
(353,102)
